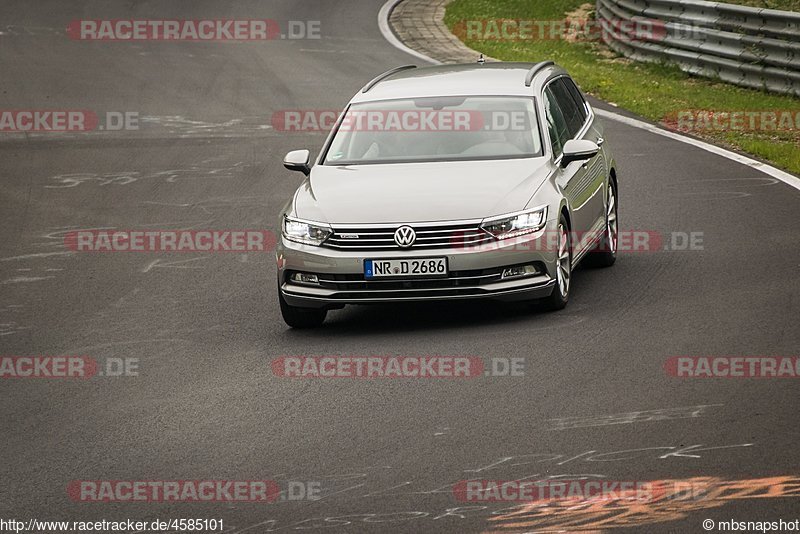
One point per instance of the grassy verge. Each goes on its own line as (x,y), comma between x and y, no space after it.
(657,92)
(784,5)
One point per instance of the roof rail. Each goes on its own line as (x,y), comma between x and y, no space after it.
(386,74)
(536,68)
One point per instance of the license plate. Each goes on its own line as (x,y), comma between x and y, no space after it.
(405,268)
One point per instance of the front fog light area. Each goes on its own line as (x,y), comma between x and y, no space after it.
(304,278)
(519,270)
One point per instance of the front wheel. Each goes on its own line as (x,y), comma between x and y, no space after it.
(301,317)
(560,295)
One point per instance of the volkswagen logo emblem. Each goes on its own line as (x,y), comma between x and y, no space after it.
(405,236)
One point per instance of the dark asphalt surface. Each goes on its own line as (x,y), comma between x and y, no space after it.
(205,327)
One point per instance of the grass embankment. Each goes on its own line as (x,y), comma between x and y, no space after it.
(784,5)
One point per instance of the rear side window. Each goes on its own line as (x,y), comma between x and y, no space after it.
(574,114)
(556,125)
(577,96)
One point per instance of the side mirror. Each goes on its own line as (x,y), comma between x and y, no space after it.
(578,150)
(297,160)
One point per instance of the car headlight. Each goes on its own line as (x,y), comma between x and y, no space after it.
(513,225)
(305,232)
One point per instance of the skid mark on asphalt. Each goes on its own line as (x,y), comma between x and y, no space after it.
(128,342)
(10,328)
(708,189)
(211,205)
(123,300)
(55,237)
(665,414)
(70,180)
(173,264)
(26,279)
(36,256)
(186,127)
(14,30)
(676,499)
(672,499)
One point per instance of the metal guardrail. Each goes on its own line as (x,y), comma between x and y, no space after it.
(750,47)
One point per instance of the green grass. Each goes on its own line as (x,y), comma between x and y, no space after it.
(785,5)
(653,91)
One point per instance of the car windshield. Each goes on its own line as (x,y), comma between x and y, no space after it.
(436,129)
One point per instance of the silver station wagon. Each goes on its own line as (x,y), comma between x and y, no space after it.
(485,180)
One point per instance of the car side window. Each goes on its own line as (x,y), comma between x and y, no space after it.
(574,115)
(577,96)
(556,126)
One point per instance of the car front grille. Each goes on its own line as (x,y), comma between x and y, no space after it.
(354,287)
(428,237)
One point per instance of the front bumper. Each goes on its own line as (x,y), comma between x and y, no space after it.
(472,273)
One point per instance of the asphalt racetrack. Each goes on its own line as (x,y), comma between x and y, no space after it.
(594,401)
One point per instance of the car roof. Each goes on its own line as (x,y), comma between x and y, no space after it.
(490,78)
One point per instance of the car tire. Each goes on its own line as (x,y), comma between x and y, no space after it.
(297,317)
(560,296)
(606,251)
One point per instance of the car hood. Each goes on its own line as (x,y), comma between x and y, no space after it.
(418,192)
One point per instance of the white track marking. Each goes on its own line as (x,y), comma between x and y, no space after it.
(784,177)
(383,24)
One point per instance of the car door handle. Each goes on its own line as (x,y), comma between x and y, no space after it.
(600,141)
